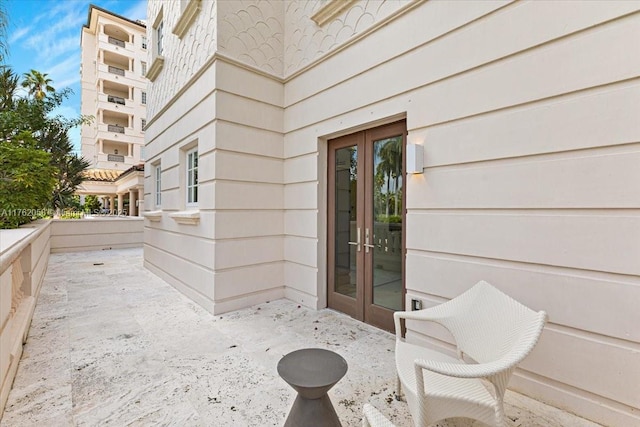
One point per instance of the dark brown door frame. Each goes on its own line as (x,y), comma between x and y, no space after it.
(362,307)
(336,300)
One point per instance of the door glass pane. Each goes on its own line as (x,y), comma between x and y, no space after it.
(345,220)
(387,223)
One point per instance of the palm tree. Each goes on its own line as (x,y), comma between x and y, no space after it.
(8,87)
(4,21)
(390,166)
(70,175)
(38,84)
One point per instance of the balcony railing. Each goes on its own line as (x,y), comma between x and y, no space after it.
(115,128)
(115,99)
(116,70)
(116,41)
(115,158)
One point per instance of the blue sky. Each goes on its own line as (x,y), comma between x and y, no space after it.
(45,35)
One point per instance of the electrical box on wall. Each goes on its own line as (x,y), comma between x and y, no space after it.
(416,304)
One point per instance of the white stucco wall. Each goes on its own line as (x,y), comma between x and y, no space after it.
(527,113)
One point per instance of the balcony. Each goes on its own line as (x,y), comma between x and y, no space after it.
(115,104)
(115,41)
(133,350)
(119,133)
(108,161)
(115,45)
(117,158)
(115,128)
(115,99)
(118,74)
(115,70)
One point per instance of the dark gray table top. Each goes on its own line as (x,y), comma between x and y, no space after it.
(312,367)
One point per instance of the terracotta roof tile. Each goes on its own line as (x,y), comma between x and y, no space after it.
(105,175)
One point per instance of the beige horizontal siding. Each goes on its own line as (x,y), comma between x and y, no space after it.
(182,270)
(248,251)
(242,281)
(301,250)
(232,224)
(603,303)
(597,178)
(583,241)
(600,117)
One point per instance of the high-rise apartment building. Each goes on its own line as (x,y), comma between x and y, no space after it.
(114,92)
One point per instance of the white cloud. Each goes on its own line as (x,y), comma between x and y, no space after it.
(48,36)
(16,36)
(65,73)
(137,12)
(69,65)
(72,80)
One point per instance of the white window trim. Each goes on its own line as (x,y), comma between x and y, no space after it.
(157,185)
(143,97)
(189,11)
(188,170)
(186,217)
(157,62)
(330,9)
(159,32)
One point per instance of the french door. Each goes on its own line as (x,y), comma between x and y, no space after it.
(366,249)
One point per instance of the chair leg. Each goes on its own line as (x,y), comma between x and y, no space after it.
(501,418)
(398,388)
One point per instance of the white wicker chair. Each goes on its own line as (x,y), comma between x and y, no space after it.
(374,418)
(489,327)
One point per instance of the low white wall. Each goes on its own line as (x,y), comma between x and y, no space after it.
(96,234)
(24,254)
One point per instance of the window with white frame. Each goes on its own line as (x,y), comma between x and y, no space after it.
(159,36)
(157,47)
(157,175)
(144,67)
(144,97)
(144,42)
(192,176)
(143,123)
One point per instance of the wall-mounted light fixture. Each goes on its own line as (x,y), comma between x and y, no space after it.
(415,158)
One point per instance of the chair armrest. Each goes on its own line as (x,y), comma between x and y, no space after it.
(374,418)
(463,370)
(432,314)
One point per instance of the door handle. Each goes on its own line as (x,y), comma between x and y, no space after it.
(357,243)
(366,242)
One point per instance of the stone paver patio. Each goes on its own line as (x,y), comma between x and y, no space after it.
(112,344)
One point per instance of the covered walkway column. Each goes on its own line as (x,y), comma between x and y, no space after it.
(132,202)
(120,203)
(111,205)
(140,201)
